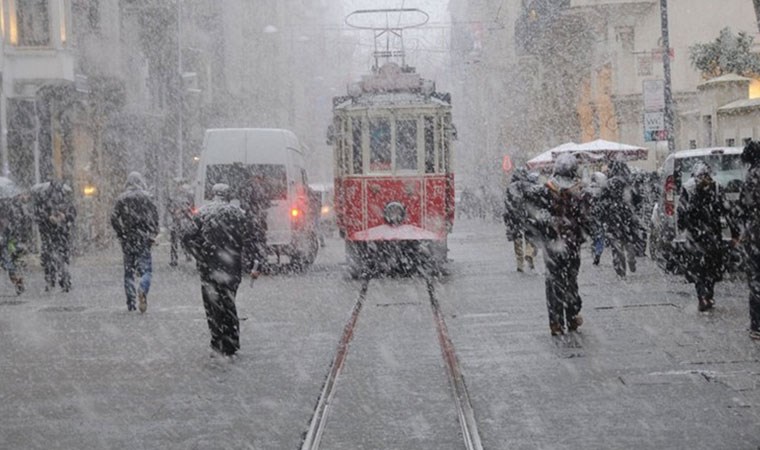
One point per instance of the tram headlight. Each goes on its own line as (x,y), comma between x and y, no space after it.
(394,213)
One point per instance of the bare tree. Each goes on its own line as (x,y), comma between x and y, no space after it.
(756,4)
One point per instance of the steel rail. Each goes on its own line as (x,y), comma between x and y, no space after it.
(465,413)
(313,435)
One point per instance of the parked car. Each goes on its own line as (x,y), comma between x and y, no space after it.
(666,241)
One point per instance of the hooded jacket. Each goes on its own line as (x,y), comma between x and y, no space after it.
(135,216)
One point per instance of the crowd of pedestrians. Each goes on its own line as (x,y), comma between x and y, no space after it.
(565,211)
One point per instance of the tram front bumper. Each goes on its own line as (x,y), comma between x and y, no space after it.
(395,233)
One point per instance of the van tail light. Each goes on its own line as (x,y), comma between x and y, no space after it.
(670,195)
(295,213)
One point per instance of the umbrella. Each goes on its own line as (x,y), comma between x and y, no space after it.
(8,188)
(546,160)
(600,149)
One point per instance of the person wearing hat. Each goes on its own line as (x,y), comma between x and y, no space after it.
(559,216)
(514,219)
(135,221)
(219,238)
(700,209)
(749,200)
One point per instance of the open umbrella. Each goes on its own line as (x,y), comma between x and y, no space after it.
(8,189)
(546,160)
(602,150)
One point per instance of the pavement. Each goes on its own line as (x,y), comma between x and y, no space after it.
(647,370)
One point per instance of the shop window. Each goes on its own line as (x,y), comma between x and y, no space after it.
(32,23)
(730,142)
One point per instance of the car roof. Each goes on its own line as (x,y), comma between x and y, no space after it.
(699,152)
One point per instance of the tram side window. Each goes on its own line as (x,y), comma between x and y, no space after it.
(379,145)
(429,144)
(356,146)
(406,144)
(445,161)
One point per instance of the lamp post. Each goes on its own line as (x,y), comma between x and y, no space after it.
(668,113)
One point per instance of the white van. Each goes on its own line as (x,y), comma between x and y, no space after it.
(274,157)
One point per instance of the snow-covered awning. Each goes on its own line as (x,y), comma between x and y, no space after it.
(546,159)
(602,150)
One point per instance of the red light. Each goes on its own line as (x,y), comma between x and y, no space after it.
(295,212)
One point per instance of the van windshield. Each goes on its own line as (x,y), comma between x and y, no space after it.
(271,177)
(728,170)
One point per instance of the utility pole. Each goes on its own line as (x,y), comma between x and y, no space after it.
(180,93)
(668,113)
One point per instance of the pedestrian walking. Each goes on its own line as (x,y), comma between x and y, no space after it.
(135,221)
(219,240)
(515,216)
(12,242)
(179,210)
(700,210)
(749,200)
(54,212)
(559,215)
(255,200)
(593,198)
(621,225)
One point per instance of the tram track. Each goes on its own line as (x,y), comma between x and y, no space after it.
(464,411)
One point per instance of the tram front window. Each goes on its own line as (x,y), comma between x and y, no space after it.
(379,145)
(406,144)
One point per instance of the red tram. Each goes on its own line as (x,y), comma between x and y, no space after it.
(394,184)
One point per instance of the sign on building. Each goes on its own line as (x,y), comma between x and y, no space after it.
(654,95)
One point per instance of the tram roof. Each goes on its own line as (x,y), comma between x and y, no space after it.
(390,100)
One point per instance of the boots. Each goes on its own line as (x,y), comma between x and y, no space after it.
(705,304)
(555,328)
(574,323)
(18,283)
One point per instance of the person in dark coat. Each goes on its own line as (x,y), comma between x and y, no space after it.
(593,198)
(514,219)
(749,199)
(55,213)
(179,210)
(12,245)
(559,215)
(255,202)
(219,239)
(135,221)
(619,201)
(700,209)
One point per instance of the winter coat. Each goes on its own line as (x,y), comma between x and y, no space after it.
(179,209)
(749,201)
(700,209)
(515,215)
(54,208)
(559,213)
(135,216)
(219,238)
(619,201)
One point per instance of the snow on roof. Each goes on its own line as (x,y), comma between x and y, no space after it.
(730,77)
(741,104)
(699,152)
